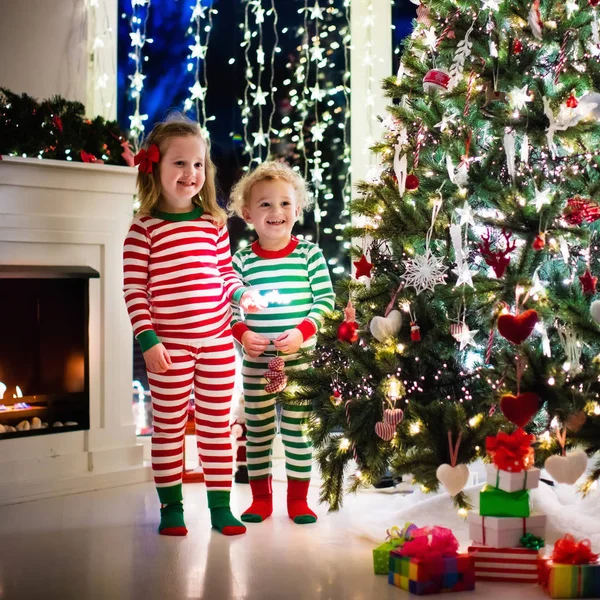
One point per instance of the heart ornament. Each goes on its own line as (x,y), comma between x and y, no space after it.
(595,311)
(385,430)
(275,376)
(567,469)
(393,416)
(517,329)
(520,409)
(383,328)
(454,479)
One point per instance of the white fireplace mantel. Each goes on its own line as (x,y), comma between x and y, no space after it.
(63,213)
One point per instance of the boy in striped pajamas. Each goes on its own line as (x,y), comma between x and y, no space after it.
(178,284)
(271,198)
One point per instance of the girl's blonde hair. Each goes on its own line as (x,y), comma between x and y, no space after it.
(268,171)
(148,184)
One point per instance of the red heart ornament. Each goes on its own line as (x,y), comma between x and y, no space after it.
(517,329)
(393,416)
(520,409)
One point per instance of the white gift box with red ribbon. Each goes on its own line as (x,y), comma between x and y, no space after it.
(504,532)
(510,481)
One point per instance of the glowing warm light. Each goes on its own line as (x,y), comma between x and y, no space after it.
(2,390)
(274,297)
(415,427)
(463,512)
(476,420)
(344,444)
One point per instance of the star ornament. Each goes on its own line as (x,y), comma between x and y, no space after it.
(424,272)
(466,337)
(588,283)
(198,92)
(260,97)
(542,197)
(491,5)
(466,215)
(519,97)
(464,275)
(363,267)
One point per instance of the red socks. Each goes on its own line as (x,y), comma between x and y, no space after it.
(262,501)
(296,502)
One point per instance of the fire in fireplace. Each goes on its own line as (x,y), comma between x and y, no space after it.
(44,363)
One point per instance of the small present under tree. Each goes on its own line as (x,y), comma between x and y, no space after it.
(482,228)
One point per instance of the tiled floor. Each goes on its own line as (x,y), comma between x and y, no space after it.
(103,546)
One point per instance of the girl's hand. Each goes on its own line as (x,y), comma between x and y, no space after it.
(251,301)
(254,344)
(157,359)
(289,341)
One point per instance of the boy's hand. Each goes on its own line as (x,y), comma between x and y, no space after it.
(157,359)
(289,341)
(254,344)
(251,301)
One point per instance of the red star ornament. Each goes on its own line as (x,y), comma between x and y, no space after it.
(363,267)
(588,283)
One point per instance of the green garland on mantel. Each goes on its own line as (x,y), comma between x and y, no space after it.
(58,128)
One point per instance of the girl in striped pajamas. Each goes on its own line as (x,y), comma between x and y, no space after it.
(271,198)
(179,284)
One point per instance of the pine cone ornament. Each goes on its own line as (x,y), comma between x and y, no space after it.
(275,376)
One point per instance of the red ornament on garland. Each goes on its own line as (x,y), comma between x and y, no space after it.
(517,47)
(540,242)
(572,102)
(415,332)
(517,329)
(412,183)
(363,267)
(579,210)
(588,283)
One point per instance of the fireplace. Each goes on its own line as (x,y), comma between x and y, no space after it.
(44,358)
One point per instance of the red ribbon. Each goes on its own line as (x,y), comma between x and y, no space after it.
(567,551)
(431,543)
(145,158)
(511,452)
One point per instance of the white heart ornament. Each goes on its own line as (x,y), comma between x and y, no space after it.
(567,469)
(595,311)
(384,327)
(454,479)
(385,430)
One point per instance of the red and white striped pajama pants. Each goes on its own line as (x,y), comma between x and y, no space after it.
(209,366)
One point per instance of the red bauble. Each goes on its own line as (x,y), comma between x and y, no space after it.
(412,182)
(517,47)
(348,332)
(594,2)
(520,409)
(540,242)
(588,283)
(517,329)
(572,102)
(415,332)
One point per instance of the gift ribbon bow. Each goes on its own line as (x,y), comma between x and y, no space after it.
(568,551)
(145,158)
(510,452)
(532,542)
(431,543)
(403,535)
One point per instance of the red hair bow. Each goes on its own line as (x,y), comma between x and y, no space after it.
(145,158)
(511,452)
(567,551)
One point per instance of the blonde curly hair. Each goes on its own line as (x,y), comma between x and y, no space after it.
(268,171)
(148,184)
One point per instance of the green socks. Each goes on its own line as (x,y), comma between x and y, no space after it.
(220,514)
(171,513)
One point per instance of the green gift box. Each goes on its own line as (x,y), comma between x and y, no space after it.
(494,502)
(396,537)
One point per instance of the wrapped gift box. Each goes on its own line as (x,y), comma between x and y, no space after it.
(494,502)
(504,532)
(510,565)
(422,576)
(570,581)
(381,556)
(512,482)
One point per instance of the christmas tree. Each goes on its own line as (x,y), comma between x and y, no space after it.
(472,308)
